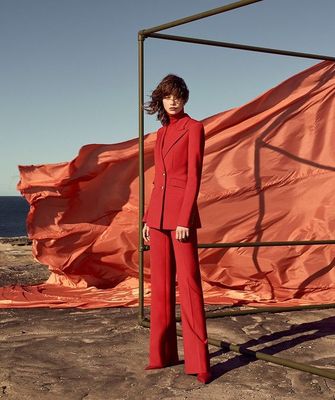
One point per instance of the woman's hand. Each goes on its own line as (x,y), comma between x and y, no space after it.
(146,232)
(182,233)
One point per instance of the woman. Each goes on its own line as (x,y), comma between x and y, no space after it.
(171,223)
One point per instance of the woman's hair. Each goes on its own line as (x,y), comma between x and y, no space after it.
(170,85)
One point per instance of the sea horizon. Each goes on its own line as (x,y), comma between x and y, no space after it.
(13,214)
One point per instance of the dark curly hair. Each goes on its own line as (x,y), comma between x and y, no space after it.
(169,85)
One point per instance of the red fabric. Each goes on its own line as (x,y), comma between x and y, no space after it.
(268,174)
(177,176)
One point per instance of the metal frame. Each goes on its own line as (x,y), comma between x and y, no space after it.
(142,320)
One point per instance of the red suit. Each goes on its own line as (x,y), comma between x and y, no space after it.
(179,154)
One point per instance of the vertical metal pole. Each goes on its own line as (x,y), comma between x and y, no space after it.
(141,171)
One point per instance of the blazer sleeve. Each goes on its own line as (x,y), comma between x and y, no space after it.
(144,219)
(196,147)
(145,215)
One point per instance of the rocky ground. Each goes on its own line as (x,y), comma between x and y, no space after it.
(101,353)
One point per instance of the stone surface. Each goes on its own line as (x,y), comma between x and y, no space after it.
(17,266)
(99,354)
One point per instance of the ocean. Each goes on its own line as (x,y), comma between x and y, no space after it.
(13,214)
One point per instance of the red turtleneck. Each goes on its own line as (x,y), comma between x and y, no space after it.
(170,128)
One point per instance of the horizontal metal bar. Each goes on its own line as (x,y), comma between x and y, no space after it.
(326,373)
(259,244)
(241,46)
(198,16)
(260,310)
(269,309)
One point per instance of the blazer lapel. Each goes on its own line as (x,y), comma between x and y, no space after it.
(179,132)
(160,137)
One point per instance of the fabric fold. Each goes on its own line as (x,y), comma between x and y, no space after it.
(268,175)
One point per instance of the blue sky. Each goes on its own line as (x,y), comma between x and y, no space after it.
(69,67)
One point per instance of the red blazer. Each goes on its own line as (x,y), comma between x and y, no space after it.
(177,177)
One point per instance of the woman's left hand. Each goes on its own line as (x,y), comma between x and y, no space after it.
(182,233)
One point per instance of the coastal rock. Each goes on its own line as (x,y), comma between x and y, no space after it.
(17,265)
(100,354)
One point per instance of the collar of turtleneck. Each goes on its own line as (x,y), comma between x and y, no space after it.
(176,117)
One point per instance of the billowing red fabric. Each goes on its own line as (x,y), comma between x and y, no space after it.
(268,175)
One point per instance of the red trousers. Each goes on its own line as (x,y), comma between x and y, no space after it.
(169,256)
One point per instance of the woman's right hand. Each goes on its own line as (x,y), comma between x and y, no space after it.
(146,232)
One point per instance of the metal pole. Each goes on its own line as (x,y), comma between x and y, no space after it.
(266,244)
(260,244)
(198,16)
(240,46)
(141,170)
(269,309)
(327,373)
(260,310)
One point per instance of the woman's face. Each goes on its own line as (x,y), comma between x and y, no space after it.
(172,104)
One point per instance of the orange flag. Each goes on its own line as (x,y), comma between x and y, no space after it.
(268,175)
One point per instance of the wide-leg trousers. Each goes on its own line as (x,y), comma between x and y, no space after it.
(168,257)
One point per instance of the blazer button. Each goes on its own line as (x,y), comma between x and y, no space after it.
(162,187)
(163,173)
